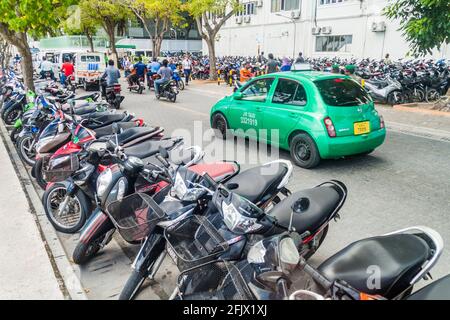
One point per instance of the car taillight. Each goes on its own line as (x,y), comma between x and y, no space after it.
(330,127)
(382,125)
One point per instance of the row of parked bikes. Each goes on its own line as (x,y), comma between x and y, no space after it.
(232,234)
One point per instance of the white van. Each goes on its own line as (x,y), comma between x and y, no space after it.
(89,67)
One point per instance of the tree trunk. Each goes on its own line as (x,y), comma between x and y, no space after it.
(210,41)
(157,42)
(27,66)
(91,41)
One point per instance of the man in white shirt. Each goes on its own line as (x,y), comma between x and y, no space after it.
(46,67)
(187,68)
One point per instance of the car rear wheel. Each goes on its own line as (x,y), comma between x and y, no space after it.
(220,125)
(304,151)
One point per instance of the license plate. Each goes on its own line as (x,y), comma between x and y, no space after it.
(361,127)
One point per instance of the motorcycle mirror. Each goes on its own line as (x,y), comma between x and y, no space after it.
(163,152)
(115,128)
(270,276)
(232,186)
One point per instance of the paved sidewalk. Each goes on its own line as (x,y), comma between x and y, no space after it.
(25,268)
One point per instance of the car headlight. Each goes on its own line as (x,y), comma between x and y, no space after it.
(257,253)
(236,222)
(289,256)
(103,180)
(179,188)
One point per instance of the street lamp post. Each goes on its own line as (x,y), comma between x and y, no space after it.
(295,29)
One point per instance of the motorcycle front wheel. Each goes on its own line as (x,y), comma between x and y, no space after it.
(70,218)
(25,147)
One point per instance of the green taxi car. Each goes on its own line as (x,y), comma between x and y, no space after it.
(314,115)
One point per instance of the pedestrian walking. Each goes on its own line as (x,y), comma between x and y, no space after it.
(187,68)
(272,65)
(300,58)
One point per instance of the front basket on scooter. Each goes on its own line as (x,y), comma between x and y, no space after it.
(194,241)
(135,216)
(56,170)
(216,280)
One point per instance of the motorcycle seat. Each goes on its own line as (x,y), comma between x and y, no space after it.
(438,290)
(107,131)
(93,96)
(398,257)
(256,183)
(323,201)
(132,134)
(149,148)
(104,119)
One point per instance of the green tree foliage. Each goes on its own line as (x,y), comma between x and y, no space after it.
(424,23)
(80,22)
(111,15)
(157,16)
(210,15)
(20,19)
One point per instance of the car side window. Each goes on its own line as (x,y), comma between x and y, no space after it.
(257,90)
(289,92)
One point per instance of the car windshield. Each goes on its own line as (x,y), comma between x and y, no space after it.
(340,92)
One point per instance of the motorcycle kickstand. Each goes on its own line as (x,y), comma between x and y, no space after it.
(157,265)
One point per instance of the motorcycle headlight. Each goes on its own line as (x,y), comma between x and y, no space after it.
(179,188)
(121,189)
(236,222)
(257,253)
(103,180)
(289,256)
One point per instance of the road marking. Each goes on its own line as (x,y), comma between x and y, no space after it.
(422,132)
(188,110)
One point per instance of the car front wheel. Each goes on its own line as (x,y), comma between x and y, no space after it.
(304,151)
(220,124)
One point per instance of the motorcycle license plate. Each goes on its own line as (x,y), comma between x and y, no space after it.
(361,127)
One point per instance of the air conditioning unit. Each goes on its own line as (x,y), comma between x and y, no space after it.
(259,3)
(325,30)
(315,30)
(295,14)
(239,20)
(247,19)
(379,26)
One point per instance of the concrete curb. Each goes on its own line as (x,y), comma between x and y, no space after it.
(413,108)
(69,282)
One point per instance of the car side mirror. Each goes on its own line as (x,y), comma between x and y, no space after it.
(238,96)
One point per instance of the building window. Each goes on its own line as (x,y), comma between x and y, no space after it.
(248,9)
(284,5)
(322,2)
(334,43)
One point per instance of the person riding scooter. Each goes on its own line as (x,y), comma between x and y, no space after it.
(138,73)
(111,75)
(46,68)
(153,69)
(166,75)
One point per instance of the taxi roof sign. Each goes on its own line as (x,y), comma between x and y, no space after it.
(301,67)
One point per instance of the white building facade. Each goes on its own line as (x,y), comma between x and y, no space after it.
(344,28)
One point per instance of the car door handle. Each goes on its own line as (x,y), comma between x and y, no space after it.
(258,109)
(293,114)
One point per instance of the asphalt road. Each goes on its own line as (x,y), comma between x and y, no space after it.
(403,183)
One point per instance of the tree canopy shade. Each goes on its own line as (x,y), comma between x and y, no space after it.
(80,22)
(156,17)
(210,15)
(424,23)
(34,18)
(110,14)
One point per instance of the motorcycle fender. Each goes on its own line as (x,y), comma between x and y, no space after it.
(98,220)
(153,246)
(18,124)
